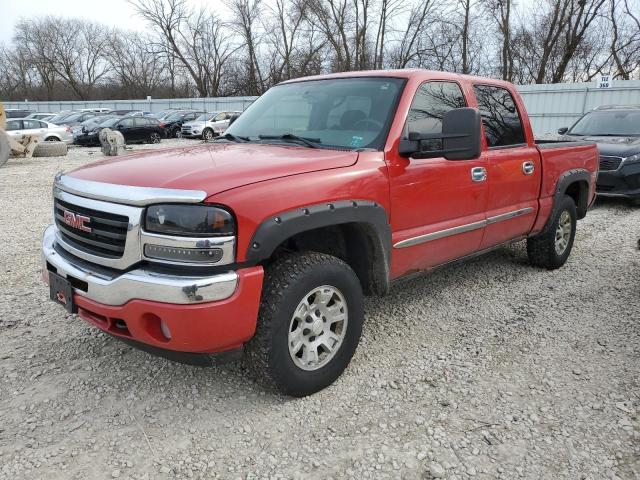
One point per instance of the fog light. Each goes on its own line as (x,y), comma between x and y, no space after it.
(164,328)
(192,255)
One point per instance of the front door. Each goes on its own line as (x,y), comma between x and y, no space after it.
(513,169)
(437,205)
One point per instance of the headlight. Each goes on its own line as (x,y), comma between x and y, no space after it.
(199,234)
(632,159)
(189,221)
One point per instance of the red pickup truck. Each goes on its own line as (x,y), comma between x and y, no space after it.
(325,189)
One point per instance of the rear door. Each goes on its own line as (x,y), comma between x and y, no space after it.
(128,130)
(437,205)
(513,166)
(33,127)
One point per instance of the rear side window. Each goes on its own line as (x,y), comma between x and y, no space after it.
(432,101)
(31,124)
(502,124)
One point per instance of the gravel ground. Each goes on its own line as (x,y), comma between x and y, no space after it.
(488,370)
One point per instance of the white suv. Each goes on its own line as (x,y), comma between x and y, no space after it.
(208,125)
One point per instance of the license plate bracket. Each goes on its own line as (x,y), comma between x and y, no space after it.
(61,291)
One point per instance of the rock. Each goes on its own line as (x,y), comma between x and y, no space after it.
(436,470)
(115,474)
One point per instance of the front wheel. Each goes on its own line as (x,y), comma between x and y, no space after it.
(207,135)
(551,248)
(309,324)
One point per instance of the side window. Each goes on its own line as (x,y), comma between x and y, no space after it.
(140,122)
(31,124)
(14,125)
(431,102)
(502,125)
(127,122)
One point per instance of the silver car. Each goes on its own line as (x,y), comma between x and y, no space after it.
(19,127)
(208,125)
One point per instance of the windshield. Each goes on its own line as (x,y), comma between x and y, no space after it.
(72,118)
(205,117)
(110,122)
(619,123)
(175,116)
(60,116)
(350,113)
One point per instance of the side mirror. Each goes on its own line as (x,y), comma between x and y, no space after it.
(233,118)
(460,138)
(563,130)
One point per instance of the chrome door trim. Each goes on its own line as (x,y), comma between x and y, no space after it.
(429,237)
(509,215)
(125,194)
(469,227)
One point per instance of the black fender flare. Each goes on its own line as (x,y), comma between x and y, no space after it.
(567,178)
(279,227)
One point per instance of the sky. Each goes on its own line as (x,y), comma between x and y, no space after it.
(114,13)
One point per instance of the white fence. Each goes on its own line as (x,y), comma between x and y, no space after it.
(549,106)
(209,104)
(560,105)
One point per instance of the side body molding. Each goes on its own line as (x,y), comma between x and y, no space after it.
(367,216)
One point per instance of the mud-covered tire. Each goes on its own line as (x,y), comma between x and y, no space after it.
(50,149)
(542,249)
(287,284)
(5,150)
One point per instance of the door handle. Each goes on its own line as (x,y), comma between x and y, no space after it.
(528,168)
(478,174)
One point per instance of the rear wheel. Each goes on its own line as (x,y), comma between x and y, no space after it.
(154,137)
(207,135)
(309,324)
(51,139)
(552,247)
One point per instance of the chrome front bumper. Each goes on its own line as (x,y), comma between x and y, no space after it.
(141,284)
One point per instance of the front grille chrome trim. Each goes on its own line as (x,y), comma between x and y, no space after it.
(125,194)
(132,252)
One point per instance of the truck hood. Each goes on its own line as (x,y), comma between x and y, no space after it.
(213,168)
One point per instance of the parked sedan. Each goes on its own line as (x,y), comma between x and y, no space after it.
(208,125)
(173,123)
(19,127)
(134,130)
(616,131)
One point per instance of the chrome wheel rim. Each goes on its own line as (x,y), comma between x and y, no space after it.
(563,232)
(317,328)
(208,135)
(155,138)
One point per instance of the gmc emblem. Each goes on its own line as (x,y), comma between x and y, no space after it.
(76,220)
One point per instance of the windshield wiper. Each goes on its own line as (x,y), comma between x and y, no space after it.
(309,142)
(233,138)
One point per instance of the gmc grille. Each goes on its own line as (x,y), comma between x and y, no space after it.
(108,233)
(609,163)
